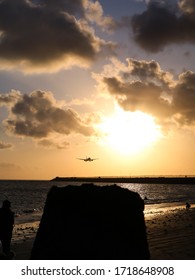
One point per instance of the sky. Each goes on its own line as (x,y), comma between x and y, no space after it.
(111,80)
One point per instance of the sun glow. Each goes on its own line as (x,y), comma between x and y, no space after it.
(129,133)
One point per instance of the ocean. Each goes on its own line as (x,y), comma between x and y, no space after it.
(28,197)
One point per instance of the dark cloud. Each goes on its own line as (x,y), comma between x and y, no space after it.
(35,34)
(184,98)
(9,98)
(149,70)
(4,145)
(144,86)
(75,7)
(139,96)
(162,24)
(38,115)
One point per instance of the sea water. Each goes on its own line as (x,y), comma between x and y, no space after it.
(28,197)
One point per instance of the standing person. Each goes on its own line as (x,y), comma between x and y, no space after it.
(6,226)
(188,205)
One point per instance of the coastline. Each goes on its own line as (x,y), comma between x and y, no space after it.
(185,180)
(170,231)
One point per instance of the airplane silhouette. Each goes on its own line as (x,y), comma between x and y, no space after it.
(88,159)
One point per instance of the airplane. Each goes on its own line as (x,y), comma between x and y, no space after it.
(88,159)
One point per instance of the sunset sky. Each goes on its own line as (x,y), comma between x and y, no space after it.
(113,80)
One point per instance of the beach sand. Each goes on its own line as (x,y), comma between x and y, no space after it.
(171,234)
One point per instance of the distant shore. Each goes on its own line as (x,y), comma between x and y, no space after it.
(186,180)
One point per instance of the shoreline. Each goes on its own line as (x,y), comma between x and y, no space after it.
(171,236)
(185,180)
(170,231)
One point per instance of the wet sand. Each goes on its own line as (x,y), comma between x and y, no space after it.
(171,234)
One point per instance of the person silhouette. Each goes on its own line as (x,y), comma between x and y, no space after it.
(6,226)
(188,205)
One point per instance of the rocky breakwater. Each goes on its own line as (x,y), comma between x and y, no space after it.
(91,222)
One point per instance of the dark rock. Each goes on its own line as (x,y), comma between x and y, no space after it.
(91,222)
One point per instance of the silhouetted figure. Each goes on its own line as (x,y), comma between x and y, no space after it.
(92,222)
(188,205)
(6,226)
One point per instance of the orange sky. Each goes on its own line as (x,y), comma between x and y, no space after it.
(112,81)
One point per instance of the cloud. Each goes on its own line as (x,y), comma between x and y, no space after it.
(4,145)
(8,99)
(184,98)
(38,115)
(47,35)
(75,7)
(187,6)
(47,143)
(94,13)
(164,23)
(144,86)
